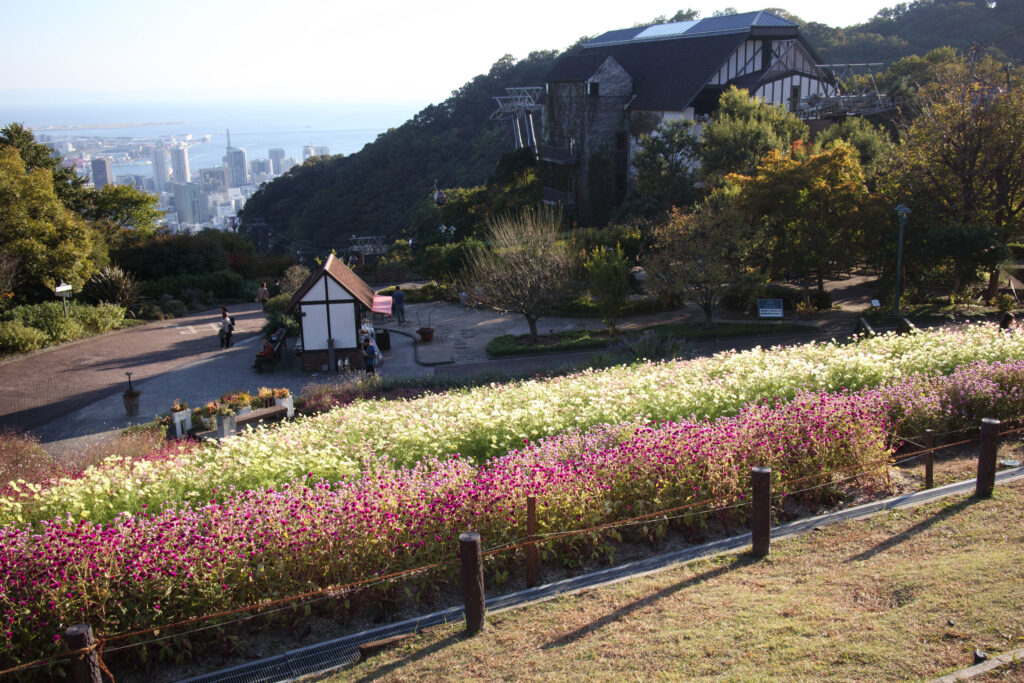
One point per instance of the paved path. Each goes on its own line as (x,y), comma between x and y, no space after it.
(69,396)
(43,386)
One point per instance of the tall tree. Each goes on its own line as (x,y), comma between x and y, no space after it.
(44,240)
(116,210)
(69,186)
(811,208)
(700,254)
(742,131)
(527,269)
(960,159)
(664,165)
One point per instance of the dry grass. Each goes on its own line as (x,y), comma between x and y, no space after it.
(905,595)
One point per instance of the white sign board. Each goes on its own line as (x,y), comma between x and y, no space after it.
(875,303)
(62,290)
(769,308)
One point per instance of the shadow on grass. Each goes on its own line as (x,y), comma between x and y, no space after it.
(411,659)
(920,527)
(733,563)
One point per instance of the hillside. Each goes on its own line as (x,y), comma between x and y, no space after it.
(385,188)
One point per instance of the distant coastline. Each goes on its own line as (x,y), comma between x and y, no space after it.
(103,126)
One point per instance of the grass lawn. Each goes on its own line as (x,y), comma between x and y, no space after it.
(905,595)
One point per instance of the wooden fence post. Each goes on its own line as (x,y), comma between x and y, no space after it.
(531,548)
(85,667)
(761,512)
(987,457)
(472,581)
(929,461)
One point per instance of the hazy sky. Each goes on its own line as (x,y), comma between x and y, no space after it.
(347,50)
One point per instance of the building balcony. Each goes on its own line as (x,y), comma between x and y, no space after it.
(558,155)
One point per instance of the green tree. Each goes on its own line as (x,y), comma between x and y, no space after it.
(664,165)
(871,142)
(46,242)
(69,186)
(811,208)
(700,254)
(119,210)
(527,268)
(742,131)
(959,160)
(607,273)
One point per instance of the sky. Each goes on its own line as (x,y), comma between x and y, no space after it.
(377,51)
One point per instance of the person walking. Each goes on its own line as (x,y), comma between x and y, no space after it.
(227,326)
(263,295)
(398,304)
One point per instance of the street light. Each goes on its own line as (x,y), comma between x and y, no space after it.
(902,212)
(447,231)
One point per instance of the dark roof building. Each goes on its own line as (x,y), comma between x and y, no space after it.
(625,83)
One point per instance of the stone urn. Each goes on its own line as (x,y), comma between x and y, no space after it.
(426,333)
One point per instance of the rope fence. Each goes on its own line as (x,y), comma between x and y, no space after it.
(90,656)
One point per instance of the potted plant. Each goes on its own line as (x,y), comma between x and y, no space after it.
(131,398)
(426,333)
(283,397)
(225,420)
(181,418)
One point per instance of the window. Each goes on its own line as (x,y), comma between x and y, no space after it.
(794,98)
(592,88)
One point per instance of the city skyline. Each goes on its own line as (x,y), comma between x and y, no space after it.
(313,51)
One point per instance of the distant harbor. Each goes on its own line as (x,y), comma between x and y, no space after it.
(107,126)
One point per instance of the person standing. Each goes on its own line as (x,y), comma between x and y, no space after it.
(371,357)
(398,304)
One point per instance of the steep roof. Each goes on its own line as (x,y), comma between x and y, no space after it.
(341,274)
(671,63)
(760,22)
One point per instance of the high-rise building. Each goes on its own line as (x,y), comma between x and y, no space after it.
(160,174)
(190,203)
(238,167)
(214,179)
(179,164)
(312,150)
(102,173)
(277,160)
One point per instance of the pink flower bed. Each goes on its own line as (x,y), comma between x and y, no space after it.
(250,546)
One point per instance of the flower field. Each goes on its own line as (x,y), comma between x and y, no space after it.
(488,421)
(147,569)
(381,486)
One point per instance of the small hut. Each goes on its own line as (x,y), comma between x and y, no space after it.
(331,302)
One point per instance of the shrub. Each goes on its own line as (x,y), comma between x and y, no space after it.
(113,286)
(222,284)
(17,337)
(151,311)
(277,318)
(174,308)
(96,319)
(1006,303)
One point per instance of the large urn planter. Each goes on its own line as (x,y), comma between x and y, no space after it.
(181,421)
(132,401)
(426,333)
(225,425)
(288,402)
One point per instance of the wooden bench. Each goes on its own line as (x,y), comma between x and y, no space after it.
(261,414)
(279,341)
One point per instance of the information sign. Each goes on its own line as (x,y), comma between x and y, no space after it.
(769,308)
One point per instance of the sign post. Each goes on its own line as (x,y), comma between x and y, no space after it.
(63,291)
(769,308)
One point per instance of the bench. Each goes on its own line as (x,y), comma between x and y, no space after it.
(261,414)
(279,341)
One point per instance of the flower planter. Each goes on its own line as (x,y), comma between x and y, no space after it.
(288,402)
(131,402)
(244,410)
(426,333)
(225,425)
(181,422)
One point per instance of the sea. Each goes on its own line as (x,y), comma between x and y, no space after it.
(257,127)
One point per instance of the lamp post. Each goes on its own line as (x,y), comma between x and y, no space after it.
(901,211)
(447,231)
